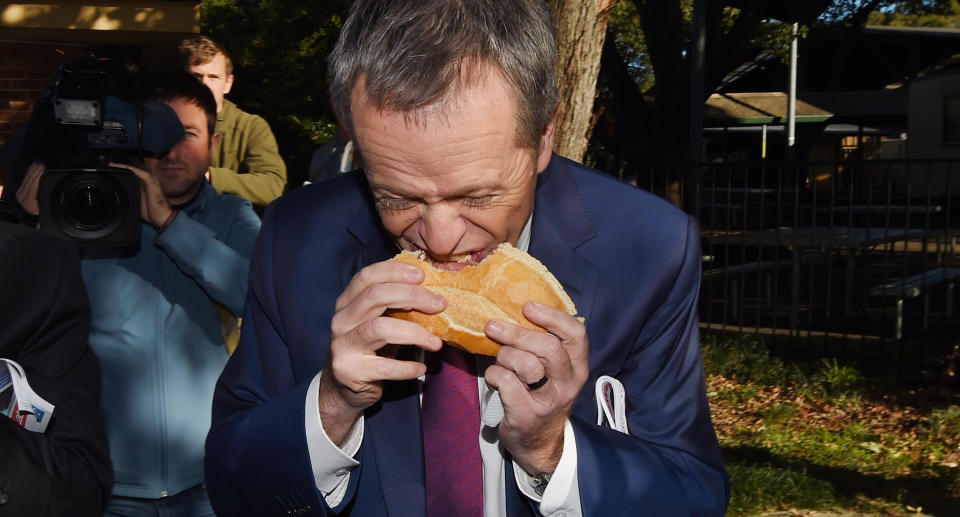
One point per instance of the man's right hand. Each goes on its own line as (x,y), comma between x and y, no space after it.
(363,341)
(27,191)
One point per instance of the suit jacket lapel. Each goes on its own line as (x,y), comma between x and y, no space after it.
(560,226)
(395,434)
(372,244)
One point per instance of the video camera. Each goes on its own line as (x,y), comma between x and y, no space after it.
(78,127)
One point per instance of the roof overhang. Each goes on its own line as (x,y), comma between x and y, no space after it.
(136,16)
(759,108)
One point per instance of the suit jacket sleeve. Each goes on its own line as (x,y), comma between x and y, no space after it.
(257,461)
(219,263)
(66,470)
(670,462)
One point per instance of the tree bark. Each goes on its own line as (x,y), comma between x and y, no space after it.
(581,27)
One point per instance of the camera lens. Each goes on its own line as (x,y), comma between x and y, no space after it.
(95,208)
(91,206)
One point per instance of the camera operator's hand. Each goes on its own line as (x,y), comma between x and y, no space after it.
(154,207)
(27,192)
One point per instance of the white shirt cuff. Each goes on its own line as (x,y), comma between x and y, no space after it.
(562,494)
(331,465)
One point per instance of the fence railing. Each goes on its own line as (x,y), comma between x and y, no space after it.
(838,253)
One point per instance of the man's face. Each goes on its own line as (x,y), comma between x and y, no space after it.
(180,171)
(452,180)
(213,74)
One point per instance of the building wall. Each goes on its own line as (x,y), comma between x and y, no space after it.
(925,117)
(24,71)
(925,134)
(37,38)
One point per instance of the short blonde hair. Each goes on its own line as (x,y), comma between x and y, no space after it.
(197,50)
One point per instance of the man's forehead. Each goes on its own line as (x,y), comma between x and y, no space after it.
(216,64)
(189,113)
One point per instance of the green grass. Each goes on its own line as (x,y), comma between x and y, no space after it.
(837,380)
(746,358)
(760,486)
(793,438)
(944,423)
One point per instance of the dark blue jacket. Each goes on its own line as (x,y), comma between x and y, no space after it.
(629,260)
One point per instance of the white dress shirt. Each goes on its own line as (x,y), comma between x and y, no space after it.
(332,465)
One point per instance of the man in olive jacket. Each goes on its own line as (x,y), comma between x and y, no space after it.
(246,162)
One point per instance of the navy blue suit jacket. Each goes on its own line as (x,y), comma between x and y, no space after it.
(629,260)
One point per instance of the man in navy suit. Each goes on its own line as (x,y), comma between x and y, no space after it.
(452,106)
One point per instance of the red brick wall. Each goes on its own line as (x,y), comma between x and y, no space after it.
(24,70)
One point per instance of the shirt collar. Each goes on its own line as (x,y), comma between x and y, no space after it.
(523,242)
(199,203)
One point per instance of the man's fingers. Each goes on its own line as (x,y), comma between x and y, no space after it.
(555,321)
(386,369)
(528,367)
(505,381)
(541,344)
(379,332)
(381,272)
(394,370)
(143,175)
(378,298)
(362,375)
(30,186)
(145,181)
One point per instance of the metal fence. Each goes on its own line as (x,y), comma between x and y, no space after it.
(858,257)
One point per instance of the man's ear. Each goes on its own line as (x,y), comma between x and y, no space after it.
(546,143)
(227,84)
(214,140)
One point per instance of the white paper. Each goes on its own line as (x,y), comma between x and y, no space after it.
(611,403)
(26,408)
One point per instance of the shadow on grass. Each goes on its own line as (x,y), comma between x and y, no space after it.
(761,479)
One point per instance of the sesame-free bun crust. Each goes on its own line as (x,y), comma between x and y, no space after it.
(496,288)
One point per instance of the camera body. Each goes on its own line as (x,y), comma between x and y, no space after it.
(78,128)
(91,207)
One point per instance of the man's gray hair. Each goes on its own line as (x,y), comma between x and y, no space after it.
(414,53)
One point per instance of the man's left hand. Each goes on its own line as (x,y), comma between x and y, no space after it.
(533,422)
(154,207)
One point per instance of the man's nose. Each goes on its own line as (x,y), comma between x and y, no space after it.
(442,228)
(174,152)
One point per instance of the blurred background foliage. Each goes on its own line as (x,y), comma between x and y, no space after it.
(279,49)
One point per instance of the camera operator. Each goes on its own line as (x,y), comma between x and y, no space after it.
(155,328)
(64,470)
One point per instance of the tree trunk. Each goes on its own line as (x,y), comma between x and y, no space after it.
(581,29)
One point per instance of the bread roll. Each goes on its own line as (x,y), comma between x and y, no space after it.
(496,288)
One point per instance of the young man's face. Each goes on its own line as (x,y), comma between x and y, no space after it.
(453,180)
(213,74)
(180,171)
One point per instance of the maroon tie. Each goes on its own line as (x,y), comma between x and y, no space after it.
(451,432)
